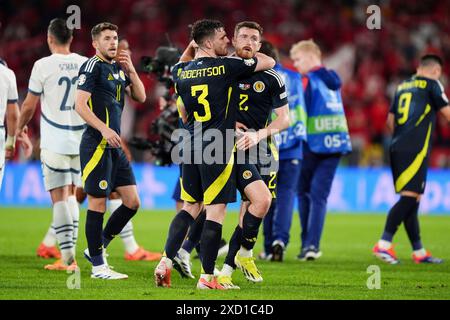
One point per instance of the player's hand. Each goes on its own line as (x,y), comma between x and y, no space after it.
(240,127)
(9,153)
(247,140)
(194,44)
(111,137)
(10,146)
(25,143)
(126,63)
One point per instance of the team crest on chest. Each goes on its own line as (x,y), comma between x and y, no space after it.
(259,86)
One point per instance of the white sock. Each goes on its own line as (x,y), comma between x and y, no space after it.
(227,270)
(207,277)
(420,253)
(168,262)
(75,212)
(50,237)
(62,220)
(245,253)
(183,253)
(127,234)
(383,244)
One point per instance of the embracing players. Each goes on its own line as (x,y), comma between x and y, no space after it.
(205,87)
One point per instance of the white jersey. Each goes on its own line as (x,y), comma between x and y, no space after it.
(54,78)
(8,92)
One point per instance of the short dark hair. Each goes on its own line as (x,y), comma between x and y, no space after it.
(250,25)
(269,49)
(430,59)
(205,28)
(58,29)
(97,29)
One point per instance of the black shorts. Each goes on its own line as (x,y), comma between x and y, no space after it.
(248,173)
(210,183)
(409,171)
(104,169)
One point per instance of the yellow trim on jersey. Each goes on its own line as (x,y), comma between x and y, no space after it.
(214,189)
(97,56)
(90,104)
(274,150)
(411,171)
(184,195)
(97,156)
(179,103)
(118,88)
(427,110)
(230,89)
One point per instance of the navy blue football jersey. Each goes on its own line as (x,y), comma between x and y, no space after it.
(416,102)
(258,95)
(106,82)
(205,86)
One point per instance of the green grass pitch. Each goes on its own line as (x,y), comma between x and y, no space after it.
(341,273)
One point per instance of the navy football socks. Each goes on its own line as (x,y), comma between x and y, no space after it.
(116,223)
(403,207)
(94,225)
(177,232)
(250,229)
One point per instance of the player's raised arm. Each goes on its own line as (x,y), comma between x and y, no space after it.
(264,62)
(137,89)
(82,108)
(189,52)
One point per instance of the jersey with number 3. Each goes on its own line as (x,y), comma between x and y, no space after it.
(54,79)
(416,102)
(205,86)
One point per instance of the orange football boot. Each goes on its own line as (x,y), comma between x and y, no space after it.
(143,255)
(59,265)
(48,252)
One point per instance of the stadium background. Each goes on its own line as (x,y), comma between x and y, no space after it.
(370,62)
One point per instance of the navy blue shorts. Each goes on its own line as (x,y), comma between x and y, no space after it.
(407,177)
(104,169)
(248,173)
(210,183)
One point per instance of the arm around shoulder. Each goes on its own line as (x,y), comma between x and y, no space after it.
(264,62)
